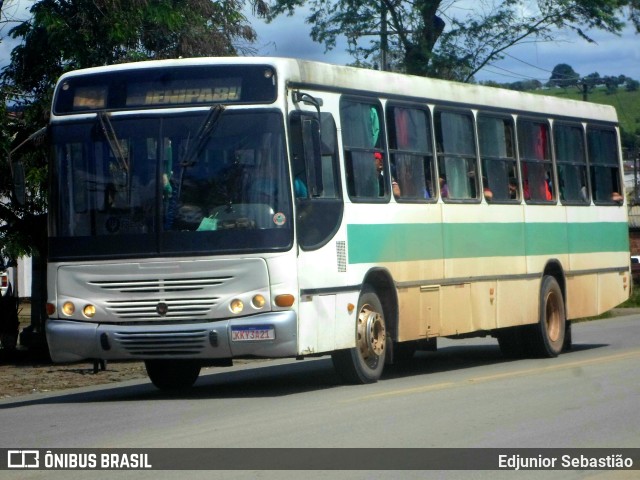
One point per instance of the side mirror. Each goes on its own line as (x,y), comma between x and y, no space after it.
(19,188)
(17,168)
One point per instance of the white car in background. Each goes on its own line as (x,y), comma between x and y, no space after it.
(4,282)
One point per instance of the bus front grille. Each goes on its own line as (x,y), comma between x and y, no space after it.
(163,343)
(159,309)
(157,285)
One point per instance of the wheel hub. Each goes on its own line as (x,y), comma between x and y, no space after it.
(371,332)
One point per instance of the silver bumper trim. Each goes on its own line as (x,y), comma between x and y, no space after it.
(71,341)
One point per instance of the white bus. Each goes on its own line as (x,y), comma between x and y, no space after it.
(209,209)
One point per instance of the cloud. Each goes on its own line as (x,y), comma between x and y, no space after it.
(610,55)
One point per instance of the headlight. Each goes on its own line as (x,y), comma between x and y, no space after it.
(236,306)
(68,308)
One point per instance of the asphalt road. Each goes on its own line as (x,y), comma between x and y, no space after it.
(464,395)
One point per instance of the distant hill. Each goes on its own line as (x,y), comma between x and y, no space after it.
(627,104)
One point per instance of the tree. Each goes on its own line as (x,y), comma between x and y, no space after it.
(564,76)
(632,85)
(592,80)
(62,35)
(611,84)
(431,38)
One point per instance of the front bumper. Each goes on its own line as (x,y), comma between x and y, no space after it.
(71,341)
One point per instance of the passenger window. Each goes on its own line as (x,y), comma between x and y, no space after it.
(365,162)
(535,160)
(605,172)
(571,161)
(411,152)
(497,153)
(457,164)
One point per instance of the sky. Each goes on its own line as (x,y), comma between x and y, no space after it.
(610,55)
(289,37)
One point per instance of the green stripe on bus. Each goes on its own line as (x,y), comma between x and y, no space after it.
(406,242)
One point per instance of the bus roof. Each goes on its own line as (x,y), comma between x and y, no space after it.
(324,76)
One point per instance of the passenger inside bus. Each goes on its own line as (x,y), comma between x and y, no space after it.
(486,191)
(444,189)
(379,163)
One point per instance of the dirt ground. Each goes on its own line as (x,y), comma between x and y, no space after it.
(23,372)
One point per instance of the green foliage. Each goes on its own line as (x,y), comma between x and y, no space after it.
(427,37)
(634,299)
(632,85)
(563,75)
(62,35)
(627,104)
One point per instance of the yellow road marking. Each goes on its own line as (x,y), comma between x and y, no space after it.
(489,378)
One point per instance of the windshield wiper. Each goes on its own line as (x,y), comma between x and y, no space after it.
(112,140)
(199,141)
(202,136)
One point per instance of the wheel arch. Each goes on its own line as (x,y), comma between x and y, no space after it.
(554,268)
(381,280)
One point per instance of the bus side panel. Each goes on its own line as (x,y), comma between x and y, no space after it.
(419,309)
(613,289)
(317,324)
(456,309)
(517,302)
(590,295)
(483,306)
(582,296)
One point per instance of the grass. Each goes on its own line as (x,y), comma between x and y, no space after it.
(634,299)
(627,104)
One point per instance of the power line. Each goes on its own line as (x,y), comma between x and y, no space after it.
(516,75)
(527,63)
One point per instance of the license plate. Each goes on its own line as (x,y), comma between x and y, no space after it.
(252,334)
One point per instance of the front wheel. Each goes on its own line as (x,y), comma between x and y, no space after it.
(365,362)
(548,335)
(172,374)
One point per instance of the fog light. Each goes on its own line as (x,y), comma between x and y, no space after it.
(236,306)
(89,311)
(258,301)
(68,308)
(285,300)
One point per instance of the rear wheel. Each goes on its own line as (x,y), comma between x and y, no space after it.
(365,362)
(548,335)
(172,374)
(512,341)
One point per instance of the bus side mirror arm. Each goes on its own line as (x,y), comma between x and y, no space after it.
(17,167)
(19,189)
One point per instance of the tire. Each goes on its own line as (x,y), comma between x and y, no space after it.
(547,337)
(568,338)
(512,342)
(364,363)
(403,352)
(172,375)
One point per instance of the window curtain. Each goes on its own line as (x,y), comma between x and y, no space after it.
(493,147)
(457,138)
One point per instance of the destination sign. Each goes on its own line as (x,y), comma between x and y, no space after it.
(166,87)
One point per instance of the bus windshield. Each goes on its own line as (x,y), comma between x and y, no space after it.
(205,182)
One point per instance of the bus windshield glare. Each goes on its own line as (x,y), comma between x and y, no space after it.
(206,182)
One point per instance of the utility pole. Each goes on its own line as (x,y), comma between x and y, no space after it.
(384,41)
